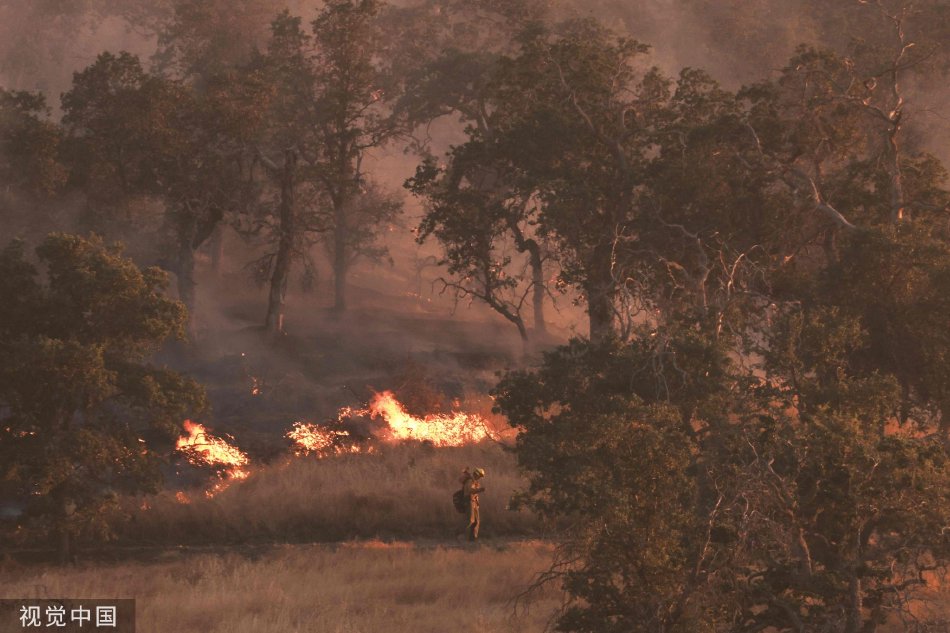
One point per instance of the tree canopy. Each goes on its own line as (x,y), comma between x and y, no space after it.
(763,446)
(752,434)
(83,415)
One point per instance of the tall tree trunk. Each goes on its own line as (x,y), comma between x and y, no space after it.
(944,408)
(64,547)
(217,249)
(530,246)
(185,270)
(600,291)
(340,263)
(855,605)
(194,228)
(537,280)
(274,323)
(600,313)
(895,173)
(894,113)
(513,317)
(64,538)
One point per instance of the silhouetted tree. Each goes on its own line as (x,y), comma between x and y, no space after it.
(133,134)
(30,161)
(84,416)
(765,450)
(353,88)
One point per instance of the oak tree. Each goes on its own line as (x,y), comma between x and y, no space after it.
(84,414)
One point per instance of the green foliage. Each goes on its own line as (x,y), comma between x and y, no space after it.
(133,135)
(84,416)
(120,128)
(204,40)
(750,512)
(842,524)
(617,466)
(645,189)
(29,145)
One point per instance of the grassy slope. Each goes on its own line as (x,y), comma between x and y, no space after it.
(366,588)
(401,492)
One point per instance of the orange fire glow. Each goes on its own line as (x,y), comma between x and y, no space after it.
(455,429)
(311,438)
(202,448)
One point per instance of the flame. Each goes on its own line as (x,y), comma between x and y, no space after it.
(312,438)
(202,448)
(455,429)
(255,386)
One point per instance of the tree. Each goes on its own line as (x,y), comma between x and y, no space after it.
(474,218)
(608,164)
(474,207)
(322,100)
(287,244)
(29,145)
(276,85)
(562,113)
(353,87)
(768,450)
(696,498)
(205,40)
(828,135)
(85,416)
(135,134)
(445,51)
(610,456)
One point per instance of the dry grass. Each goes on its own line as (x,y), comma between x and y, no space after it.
(402,492)
(351,588)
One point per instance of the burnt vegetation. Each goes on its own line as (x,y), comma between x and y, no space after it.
(716,294)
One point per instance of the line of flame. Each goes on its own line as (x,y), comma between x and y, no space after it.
(454,429)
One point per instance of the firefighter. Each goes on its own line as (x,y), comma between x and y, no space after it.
(472,488)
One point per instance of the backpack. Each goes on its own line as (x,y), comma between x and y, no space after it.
(460,501)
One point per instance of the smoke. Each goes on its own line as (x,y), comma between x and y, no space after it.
(736,42)
(41,50)
(743,41)
(398,316)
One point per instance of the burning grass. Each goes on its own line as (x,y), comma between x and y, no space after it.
(391,423)
(314,439)
(452,429)
(200,447)
(400,491)
(398,588)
